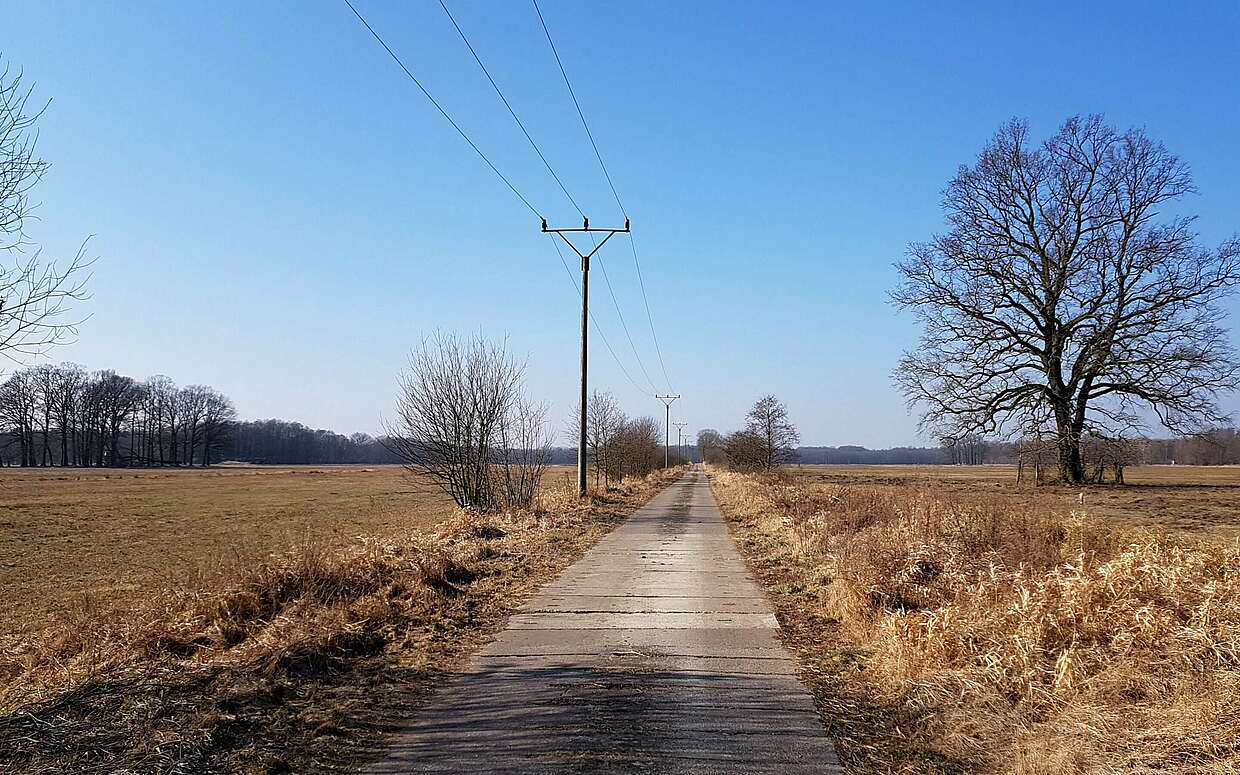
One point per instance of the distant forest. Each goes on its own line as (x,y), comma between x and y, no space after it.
(67,416)
(1218,447)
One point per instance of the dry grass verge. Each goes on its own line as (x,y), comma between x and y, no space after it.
(289,664)
(944,633)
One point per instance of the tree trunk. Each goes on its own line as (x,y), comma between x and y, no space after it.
(1068,442)
(1071,471)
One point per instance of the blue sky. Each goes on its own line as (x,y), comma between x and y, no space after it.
(280,214)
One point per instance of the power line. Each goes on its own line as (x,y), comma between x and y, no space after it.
(578,105)
(623,325)
(512,112)
(509,183)
(632,244)
(434,102)
(649,318)
(597,328)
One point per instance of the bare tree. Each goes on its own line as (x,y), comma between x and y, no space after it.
(768,422)
(18,408)
(44,380)
(1059,289)
(35,295)
(456,405)
(192,403)
(604,420)
(219,417)
(710,446)
(71,380)
(969,450)
(119,397)
(164,413)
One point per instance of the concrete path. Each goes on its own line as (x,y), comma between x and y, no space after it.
(654,653)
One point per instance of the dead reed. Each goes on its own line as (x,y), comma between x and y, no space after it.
(982,637)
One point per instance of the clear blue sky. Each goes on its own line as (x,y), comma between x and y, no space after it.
(280,214)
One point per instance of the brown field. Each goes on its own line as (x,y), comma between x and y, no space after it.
(114,535)
(255,619)
(1200,500)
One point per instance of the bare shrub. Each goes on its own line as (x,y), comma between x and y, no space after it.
(464,423)
(617,446)
(744,451)
(635,448)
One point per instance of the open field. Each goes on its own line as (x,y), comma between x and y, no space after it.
(344,609)
(1200,500)
(115,534)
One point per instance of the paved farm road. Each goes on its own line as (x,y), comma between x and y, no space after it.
(654,653)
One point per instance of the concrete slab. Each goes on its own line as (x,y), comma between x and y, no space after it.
(656,653)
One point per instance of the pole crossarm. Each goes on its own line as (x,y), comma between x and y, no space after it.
(585,228)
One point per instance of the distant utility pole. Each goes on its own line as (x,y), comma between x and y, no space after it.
(680,445)
(667,424)
(585,329)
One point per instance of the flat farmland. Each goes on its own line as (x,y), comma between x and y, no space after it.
(111,536)
(1198,500)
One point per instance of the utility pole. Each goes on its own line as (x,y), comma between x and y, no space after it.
(585,328)
(680,445)
(667,424)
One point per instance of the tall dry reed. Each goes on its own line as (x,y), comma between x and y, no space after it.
(1019,641)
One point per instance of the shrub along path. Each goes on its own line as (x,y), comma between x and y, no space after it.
(655,652)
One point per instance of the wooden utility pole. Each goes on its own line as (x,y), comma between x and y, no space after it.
(680,445)
(585,329)
(667,423)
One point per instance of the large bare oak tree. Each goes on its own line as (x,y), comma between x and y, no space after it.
(1067,296)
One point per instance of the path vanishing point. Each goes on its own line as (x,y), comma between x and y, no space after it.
(655,653)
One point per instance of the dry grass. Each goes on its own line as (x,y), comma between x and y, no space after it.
(1199,500)
(948,632)
(288,663)
(114,536)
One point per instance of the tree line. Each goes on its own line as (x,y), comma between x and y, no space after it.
(291,443)
(64,415)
